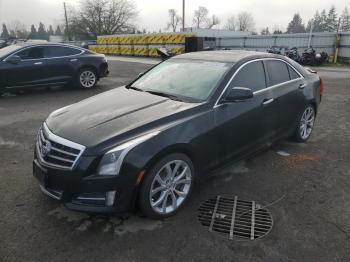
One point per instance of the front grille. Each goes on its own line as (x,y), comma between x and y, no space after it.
(55,151)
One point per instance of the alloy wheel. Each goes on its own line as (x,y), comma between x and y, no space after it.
(307,122)
(170,187)
(87,79)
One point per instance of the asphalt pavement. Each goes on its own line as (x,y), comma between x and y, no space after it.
(306,188)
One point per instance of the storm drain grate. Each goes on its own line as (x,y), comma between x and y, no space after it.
(235,218)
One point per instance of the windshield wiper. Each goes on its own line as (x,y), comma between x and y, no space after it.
(157,93)
(135,88)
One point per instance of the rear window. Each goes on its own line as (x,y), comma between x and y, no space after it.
(59,51)
(292,73)
(251,76)
(277,71)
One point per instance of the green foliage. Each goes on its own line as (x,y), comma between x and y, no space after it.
(5,33)
(296,25)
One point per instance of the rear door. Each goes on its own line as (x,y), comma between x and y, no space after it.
(241,125)
(62,63)
(287,88)
(30,71)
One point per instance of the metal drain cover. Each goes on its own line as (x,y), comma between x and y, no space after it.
(235,218)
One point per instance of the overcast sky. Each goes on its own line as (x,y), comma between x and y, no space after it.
(153,13)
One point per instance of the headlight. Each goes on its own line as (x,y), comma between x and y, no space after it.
(112,161)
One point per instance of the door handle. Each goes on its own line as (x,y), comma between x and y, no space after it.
(268,101)
(38,63)
(302,86)
(74,60)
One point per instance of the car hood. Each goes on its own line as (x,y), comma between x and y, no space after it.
(111,114)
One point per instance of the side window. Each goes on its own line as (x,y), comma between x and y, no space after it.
(251,76)
(31,53)
(59,51)
(292,73)
(277,71)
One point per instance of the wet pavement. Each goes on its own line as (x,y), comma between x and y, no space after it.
(306,187)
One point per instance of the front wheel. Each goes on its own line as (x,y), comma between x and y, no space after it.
(87,78)
(167,186)
(305,125)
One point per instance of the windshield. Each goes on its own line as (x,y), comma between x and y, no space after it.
(192,79)
(9,49)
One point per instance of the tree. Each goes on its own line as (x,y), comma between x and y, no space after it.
(5,33)
(174,20)
(58,30)
(277,32)
(200,16)
(332,21)
(296,25)
(17,29)
(42,34)
(316,23)
(265,31)
(103,17)
(323,21)
(231,24)
(33,32)
(50,31)
(345,20)
(213,21)
(245,22)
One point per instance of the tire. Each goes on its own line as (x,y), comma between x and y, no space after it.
(171,189)
(305,124)
(87,78)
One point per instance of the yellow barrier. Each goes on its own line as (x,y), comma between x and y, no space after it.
(114,50)
(141,50)
(140,45)
(126,50)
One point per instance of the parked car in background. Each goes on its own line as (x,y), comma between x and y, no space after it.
(143,145)
(29,65)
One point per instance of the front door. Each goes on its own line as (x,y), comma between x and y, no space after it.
(242,125)
(29,71)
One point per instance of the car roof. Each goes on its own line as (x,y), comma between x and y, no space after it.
(227,56)
(28,44)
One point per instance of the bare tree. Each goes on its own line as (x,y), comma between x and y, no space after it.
(245,22)
(103,17)
(18,29)
(200,17)
(213,21)
(231,24)
(174,20)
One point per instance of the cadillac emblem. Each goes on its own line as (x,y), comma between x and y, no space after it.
(46,148)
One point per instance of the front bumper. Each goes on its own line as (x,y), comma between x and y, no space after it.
(83,193)
(104,71)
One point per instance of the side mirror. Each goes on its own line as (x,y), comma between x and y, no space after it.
(237,94)
(15,59)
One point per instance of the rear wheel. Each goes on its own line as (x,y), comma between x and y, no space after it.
(167,186)
(87,78)
(305,125)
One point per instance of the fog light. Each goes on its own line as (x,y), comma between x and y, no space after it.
(110,196)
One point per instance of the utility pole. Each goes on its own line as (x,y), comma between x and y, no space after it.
(183,15)
(337,43)
(66,17)
(310,34)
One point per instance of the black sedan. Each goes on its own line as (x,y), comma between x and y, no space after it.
(143,145)
(36,65)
